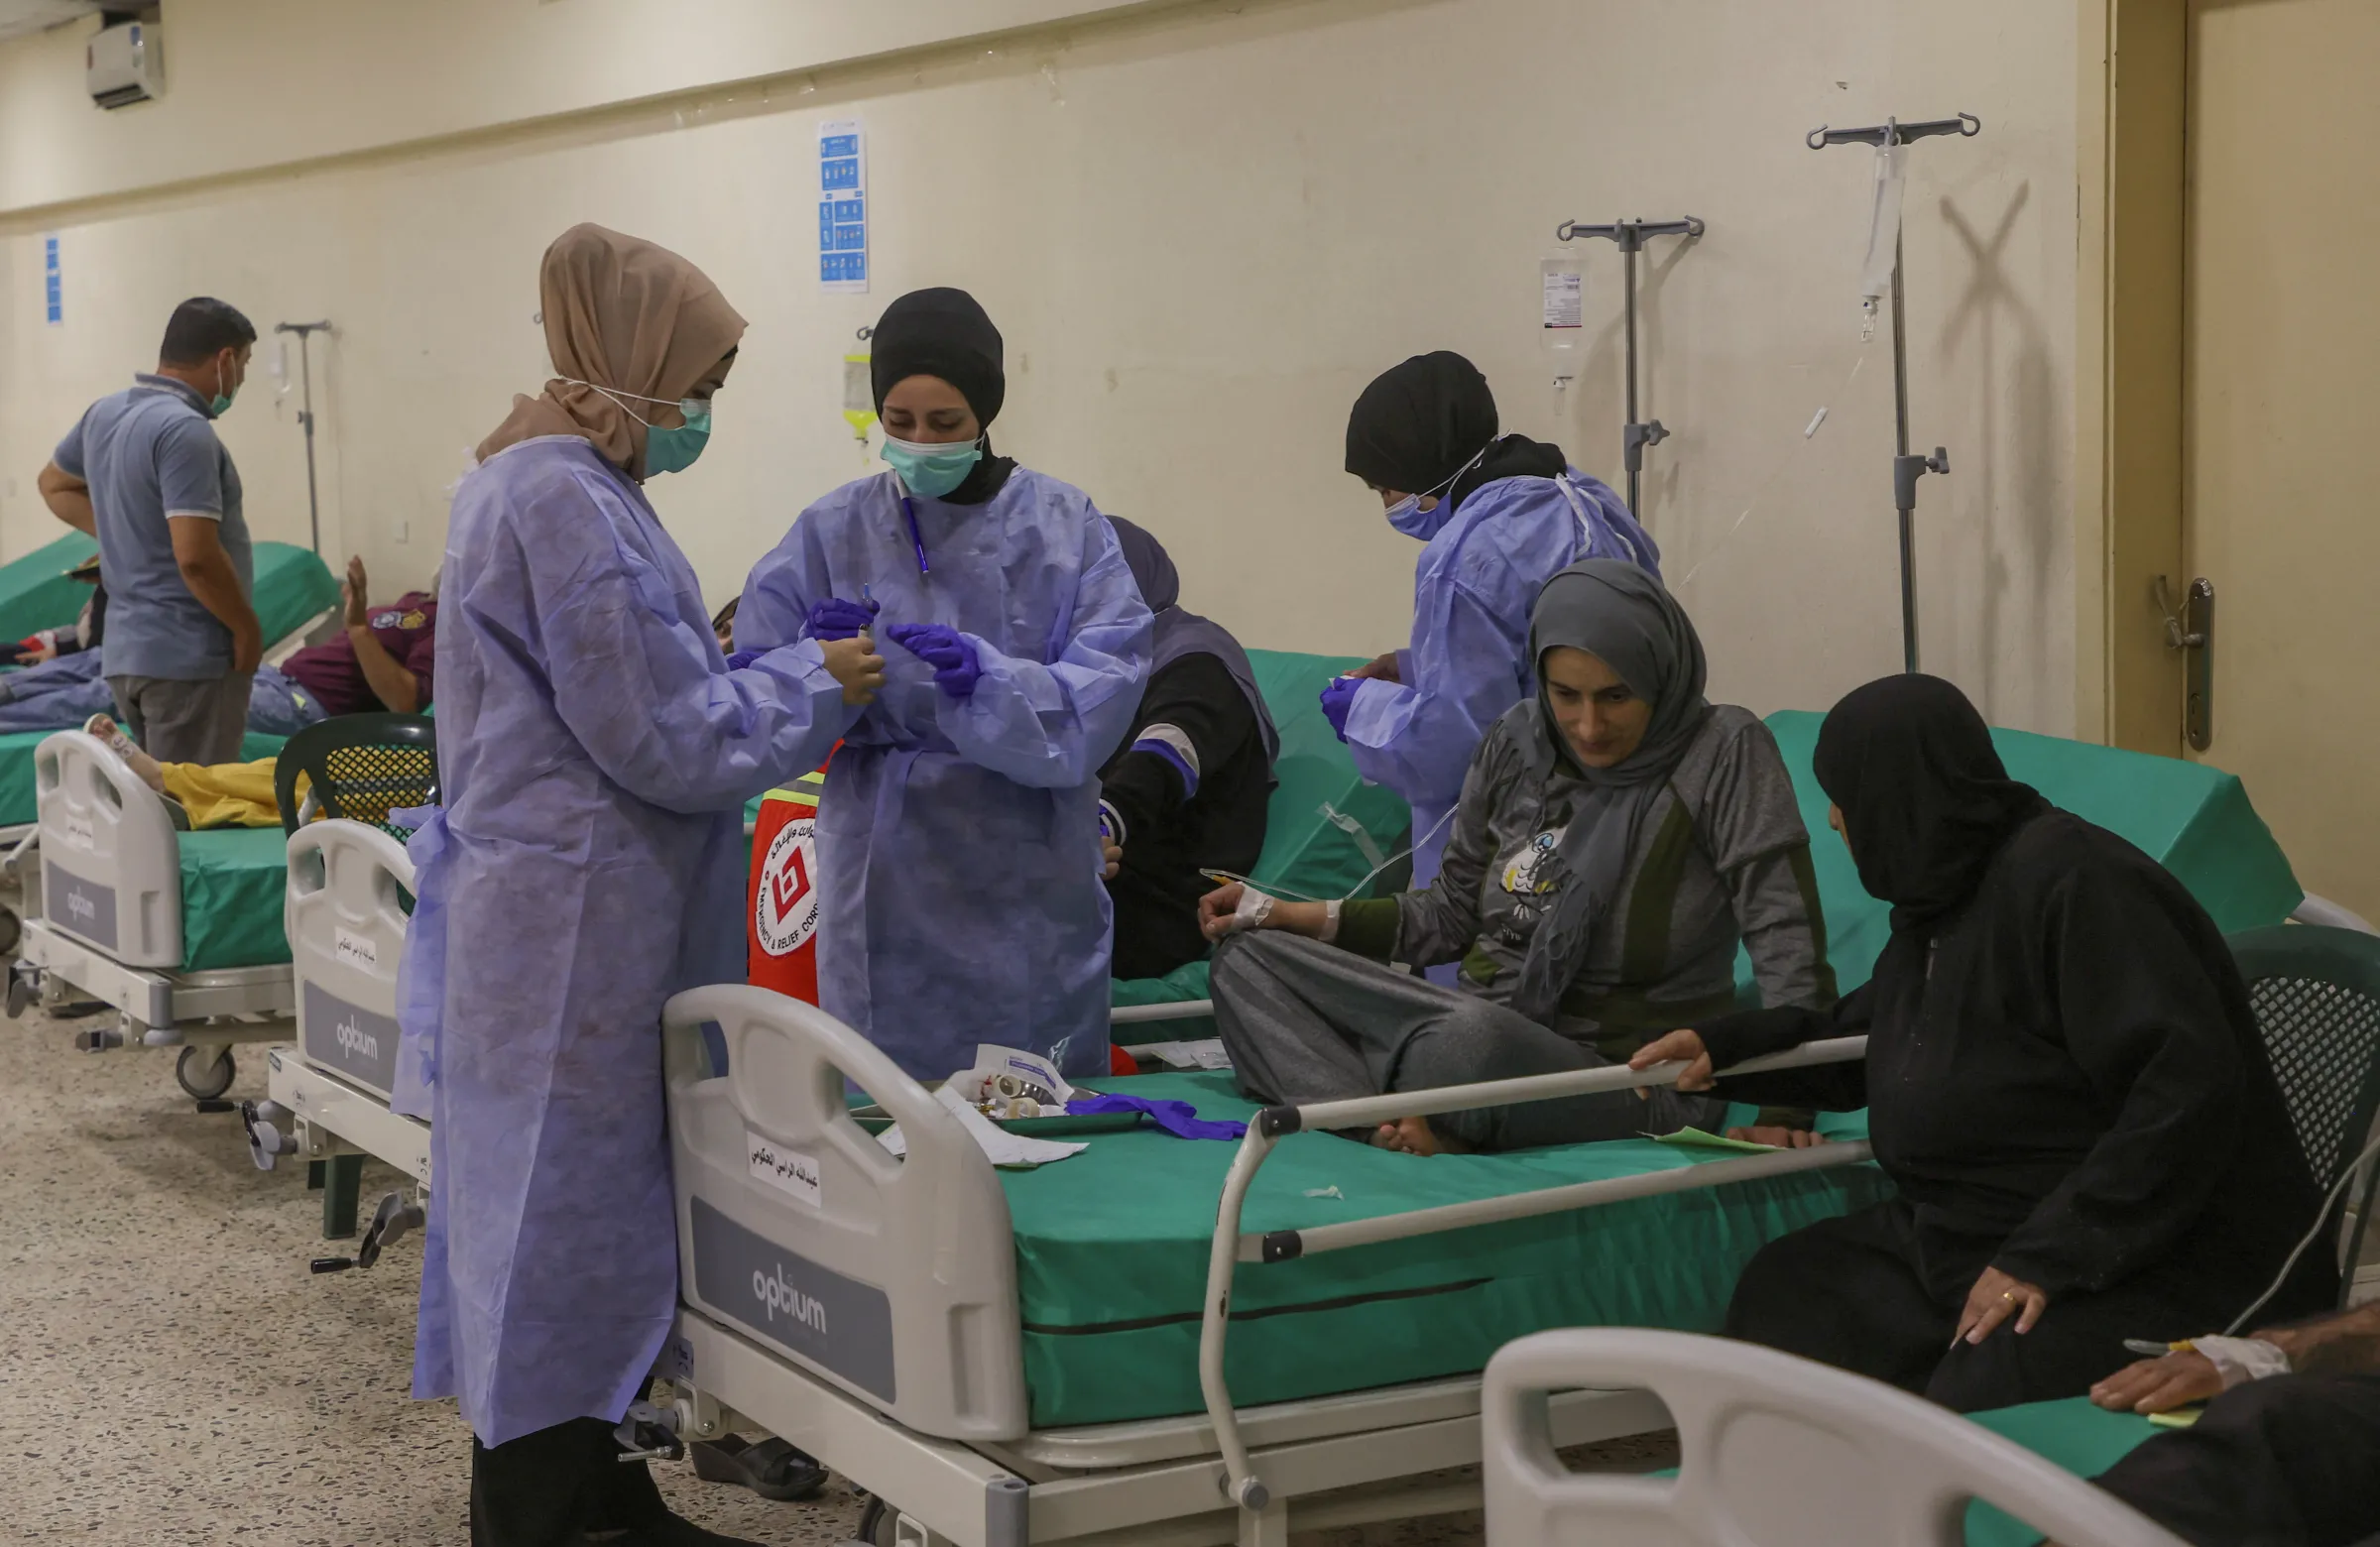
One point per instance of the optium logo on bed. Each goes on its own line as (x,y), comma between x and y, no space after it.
(83,907)
(355,1042)
(772,1290)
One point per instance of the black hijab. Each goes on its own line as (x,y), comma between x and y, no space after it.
(1178,632)
(1925,797)
(1422,424)
(944,332)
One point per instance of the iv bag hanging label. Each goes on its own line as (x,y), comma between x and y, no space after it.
(842,206)
(1564,298)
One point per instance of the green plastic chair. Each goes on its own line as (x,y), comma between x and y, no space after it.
(2316,992)
(360,767)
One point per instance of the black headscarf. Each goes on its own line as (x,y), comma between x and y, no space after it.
(1926,800)
(1421,423)
(1179,632)
(944,332)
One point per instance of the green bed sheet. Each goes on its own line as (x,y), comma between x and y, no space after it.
(1111,1259)
(2083,1439)
(35,592)
(2193,819)
(233,883)
(293,585)
(1325,828)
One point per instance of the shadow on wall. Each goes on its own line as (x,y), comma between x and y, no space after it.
(2016,395)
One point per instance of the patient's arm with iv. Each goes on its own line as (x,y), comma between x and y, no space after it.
(1439,922)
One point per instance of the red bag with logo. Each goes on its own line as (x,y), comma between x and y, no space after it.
(781,928)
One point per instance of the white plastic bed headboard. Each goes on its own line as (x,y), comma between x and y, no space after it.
(1775,1451)
(346,924)
(895,1278)
(111,867)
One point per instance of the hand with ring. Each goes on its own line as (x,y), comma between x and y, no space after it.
(1995,1297)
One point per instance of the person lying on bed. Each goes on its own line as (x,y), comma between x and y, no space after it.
(2288,1450)
(2063,1079)
(1617,837)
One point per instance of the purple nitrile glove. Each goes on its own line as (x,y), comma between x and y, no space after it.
(743,657)
(1177,1118)
(837,619)
(944,648)
(1337,699)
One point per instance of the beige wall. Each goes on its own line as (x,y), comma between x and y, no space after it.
(1201,228)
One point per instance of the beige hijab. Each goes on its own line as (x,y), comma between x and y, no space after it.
(625,315)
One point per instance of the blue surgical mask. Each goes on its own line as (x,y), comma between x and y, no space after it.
(932,468)
(1411,517)
(668,450)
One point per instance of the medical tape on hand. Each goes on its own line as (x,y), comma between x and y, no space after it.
(2241,1359)
(1255,907)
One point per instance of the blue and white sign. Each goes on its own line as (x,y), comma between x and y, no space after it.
(52,293)
(842,206)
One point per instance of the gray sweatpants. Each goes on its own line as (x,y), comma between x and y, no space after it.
(1306,1021)
(185,722)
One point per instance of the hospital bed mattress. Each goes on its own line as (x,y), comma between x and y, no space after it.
(2193,819)
(293,586)
(1112,1251)
(35,592)
(233,880)
(2083,1439)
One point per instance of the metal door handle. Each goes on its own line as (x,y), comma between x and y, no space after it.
(2191,632)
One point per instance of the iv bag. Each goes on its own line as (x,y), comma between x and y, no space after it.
(1563,296)
(1885,224)
(859,396)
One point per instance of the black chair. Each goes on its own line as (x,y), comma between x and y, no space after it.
(2316,992)
(360,767)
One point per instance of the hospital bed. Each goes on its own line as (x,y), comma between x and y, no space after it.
(1012,1357)
(182,932)
(350,885)
(1775,1450)
(35,591)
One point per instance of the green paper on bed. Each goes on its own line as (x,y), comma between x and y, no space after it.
(1693,1137)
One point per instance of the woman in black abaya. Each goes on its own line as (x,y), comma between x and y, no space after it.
(2064,1081)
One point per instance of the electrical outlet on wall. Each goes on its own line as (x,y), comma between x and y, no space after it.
(401,531)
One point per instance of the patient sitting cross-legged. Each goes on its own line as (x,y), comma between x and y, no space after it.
(1617,838)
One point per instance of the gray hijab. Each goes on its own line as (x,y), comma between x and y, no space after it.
(1625,618)
(1178,632)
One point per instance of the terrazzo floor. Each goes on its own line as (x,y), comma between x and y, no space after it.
(173,1376)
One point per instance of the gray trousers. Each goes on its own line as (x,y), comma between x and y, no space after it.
(1306,1021)
(185,722)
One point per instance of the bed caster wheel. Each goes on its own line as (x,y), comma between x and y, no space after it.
(23,986)
(266,1142)
(201,1079)
(877,1525)
(12,929)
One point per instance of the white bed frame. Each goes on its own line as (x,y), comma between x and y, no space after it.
(103,921)
(346,922)
(865,1309)
(1773,1449)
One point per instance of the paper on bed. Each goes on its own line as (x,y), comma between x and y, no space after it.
(1207,1055)
(1693,1137)
(999,1146)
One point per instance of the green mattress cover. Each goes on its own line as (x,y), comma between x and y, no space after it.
(2193,819)
(293,585)
(233,883)
(1111,1259)
(2083,1439)
(35,592)
(1308,845)
(16,804)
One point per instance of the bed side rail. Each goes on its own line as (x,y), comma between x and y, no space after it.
(895,1278)
(344,911)
(1771,1446)
(1231,1247)
(111,865)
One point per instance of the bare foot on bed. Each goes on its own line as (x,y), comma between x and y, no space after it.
(123,746)
(1416,1136)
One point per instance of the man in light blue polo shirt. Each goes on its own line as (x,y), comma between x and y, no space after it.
(144,473)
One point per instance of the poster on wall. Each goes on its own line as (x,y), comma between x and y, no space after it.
(53,298)
(842,206)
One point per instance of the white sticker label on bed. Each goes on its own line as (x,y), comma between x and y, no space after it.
(787,1170)
(80,832)
(354,949)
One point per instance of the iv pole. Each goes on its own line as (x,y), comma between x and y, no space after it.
(306,416)
(1906,468)
(1629,236)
